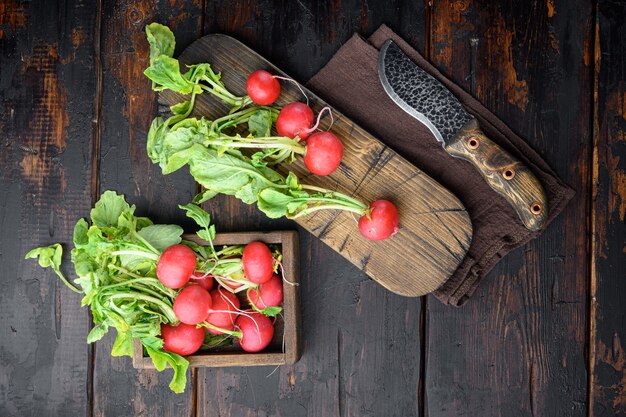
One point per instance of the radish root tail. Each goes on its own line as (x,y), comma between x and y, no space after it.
(297,84)
(319,116)
(282,273)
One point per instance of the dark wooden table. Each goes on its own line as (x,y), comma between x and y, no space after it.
(541,337)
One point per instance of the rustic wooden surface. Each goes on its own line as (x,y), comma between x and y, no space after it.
(435,231)
(46,114)
(543,336)
(518,347)
(607,287)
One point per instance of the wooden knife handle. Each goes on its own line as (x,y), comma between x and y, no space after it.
(504,174)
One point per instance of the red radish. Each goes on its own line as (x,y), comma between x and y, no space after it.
(380,221)
(256,331)
(223,302)
(183,339)
(202,279)
(258,263)
(295,119)
(192,304)
(269,294)
(262,87)
(323,153)
(175,266)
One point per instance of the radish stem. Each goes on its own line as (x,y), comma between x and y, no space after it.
(234,333)
(148,255)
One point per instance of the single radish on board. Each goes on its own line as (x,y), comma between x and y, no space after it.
(269,294)
(262,87)
(256,330)
(192,304)
(295,119)
(258,263)
(380,220)
(175,266)
(183,339)
(223,302)
(323,154)
(202,279)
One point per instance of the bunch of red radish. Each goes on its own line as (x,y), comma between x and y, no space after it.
(199,306)
(324,150)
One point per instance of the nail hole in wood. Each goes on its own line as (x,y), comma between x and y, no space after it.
(536,208)
(472,143)
(508,174)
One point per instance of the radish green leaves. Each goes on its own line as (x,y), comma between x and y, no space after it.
(226,162)
(164,70)
(51,256)
(115,261)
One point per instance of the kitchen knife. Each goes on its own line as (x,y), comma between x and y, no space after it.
(426,99)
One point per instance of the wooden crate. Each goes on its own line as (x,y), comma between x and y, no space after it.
(286,327)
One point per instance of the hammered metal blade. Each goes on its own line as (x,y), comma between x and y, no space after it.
(420,94)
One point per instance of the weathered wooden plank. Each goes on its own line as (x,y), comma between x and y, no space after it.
(128,106)
(47,87)
(518,347)
(608,286)
(300,37)
(361,353)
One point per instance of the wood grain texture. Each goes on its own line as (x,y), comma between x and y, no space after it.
(301,37)
(128,105)
(608,313)
(435,230)
(284,348)
(518,347)
(47,88)
(506,175)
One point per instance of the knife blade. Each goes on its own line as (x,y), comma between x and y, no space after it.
(423,97)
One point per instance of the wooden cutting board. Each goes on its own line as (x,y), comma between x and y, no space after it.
(435,229)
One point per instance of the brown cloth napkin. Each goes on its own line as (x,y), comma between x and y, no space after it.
(350,83)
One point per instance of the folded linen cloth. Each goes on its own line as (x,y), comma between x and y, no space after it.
(350,83)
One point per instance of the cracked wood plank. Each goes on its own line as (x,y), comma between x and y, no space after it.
(608,284)
(47,93)
(518,346)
